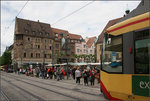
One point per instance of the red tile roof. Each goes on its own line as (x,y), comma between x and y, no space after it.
(110,23)
(71,36)
(59,31)
(75,36)
(90,41)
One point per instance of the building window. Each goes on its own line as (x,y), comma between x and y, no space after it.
(90,51)
(84,46)
(78,50)
(37,55)
(19,37)
(40,33)
(47,33)
(33,32)
(24,55)
(45,47)
(38,40)
(85,50)
(50,41)
(50,56)
(45,55)
(38,46)
(50,47)
(57,45)
(28,39)
(31,55)
(45,41)
(72,52)
(26,31)
(31,45)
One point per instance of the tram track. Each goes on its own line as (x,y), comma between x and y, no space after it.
(75,98)
(60,86)
(37,97)
(5,96)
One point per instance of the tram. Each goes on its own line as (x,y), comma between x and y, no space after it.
(125,69)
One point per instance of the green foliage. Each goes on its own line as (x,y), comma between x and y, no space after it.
(5,59)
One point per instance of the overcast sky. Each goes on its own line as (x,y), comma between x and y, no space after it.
(87,22)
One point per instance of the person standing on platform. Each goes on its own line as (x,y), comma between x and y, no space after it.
(77,75)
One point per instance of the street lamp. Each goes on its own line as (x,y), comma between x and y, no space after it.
(64,46)
(67,54)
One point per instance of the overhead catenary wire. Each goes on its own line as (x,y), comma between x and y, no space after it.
(17,15)
(6,28)
(73,12)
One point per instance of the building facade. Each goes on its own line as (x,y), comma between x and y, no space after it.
(33,43)
(91,45)
(64,45)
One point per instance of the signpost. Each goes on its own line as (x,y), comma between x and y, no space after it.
(141,85)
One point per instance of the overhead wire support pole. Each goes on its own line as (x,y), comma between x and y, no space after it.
(73,12)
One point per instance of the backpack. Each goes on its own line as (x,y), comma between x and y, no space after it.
(85,74)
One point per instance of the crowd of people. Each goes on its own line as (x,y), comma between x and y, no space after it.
(59,73)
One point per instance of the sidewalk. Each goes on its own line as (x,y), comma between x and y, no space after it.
(72,81)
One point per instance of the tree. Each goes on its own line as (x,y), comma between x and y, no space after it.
(5,59)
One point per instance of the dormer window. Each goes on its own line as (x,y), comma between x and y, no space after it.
(28,24)
(26,31)
(33,32)
(47,33)
(40,33)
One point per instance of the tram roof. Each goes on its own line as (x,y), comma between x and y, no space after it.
(131,24)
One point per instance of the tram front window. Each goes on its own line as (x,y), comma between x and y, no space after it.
(112,54)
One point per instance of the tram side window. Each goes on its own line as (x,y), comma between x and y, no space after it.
(112,54)
(142,53)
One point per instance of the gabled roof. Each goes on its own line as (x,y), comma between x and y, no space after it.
(23,24)
(90,41)
(110,23)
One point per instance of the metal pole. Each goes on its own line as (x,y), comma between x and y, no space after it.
(43,58)
(53,54)
(67,55)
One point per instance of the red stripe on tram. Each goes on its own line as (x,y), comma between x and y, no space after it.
(107,93)
(129,24)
